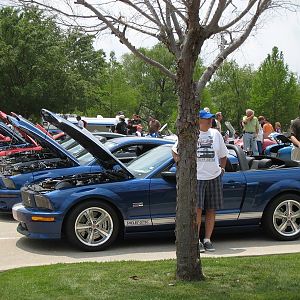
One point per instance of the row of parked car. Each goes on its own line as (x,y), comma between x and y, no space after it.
(91,190)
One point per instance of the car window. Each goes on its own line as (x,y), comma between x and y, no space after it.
(85,157)
(109,145)
(68,144)
(146,163)
(76,151)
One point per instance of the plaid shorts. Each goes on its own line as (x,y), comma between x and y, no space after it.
(210,193)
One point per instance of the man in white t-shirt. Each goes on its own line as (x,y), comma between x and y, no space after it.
(211,160)
(80,123)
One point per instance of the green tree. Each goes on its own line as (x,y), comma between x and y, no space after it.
(41,66)
(157,92)
(118,94)
(274,93)
(231,90)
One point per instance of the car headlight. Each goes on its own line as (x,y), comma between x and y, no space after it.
(42,202)
(8,183)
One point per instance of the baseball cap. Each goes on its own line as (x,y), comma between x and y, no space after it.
(205,115)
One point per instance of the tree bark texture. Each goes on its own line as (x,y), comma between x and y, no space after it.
(188,259)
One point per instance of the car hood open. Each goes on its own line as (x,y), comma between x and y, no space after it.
(44,140)
(15,137)
(86,140)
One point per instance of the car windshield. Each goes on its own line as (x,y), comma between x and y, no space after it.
(146,163)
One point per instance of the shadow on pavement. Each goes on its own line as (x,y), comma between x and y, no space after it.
(225,243)
(7,217)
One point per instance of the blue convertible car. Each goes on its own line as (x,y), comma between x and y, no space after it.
(69,158)
(92,210)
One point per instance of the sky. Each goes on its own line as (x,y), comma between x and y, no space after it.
(281,30)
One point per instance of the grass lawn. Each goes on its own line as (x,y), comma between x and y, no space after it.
(261,277)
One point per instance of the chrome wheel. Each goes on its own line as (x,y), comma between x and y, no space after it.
(286,218)
(94,226)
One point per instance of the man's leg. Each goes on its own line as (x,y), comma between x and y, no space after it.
(210,216)
(246,142)
(199,216)
(254,146)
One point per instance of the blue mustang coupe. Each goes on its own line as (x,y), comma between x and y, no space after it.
(68,158)
(91,210)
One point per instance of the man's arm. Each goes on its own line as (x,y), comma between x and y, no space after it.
(295,141)
(222,162)
(175,156)
(175,152)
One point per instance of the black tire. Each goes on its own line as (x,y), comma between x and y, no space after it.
(281,218)
(92,236)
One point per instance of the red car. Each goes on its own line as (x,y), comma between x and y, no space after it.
(29,145)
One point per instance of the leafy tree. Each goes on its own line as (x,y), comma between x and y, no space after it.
(157,92)
(231,90)
(41,66)
(275,93)
(117,94)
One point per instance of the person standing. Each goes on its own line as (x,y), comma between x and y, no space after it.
(211,160)
(260,135)
(295,139)
(277,127)
(154,126)
(80,123)
(219,118)
(133,123)
(267,128)
(250,129)
(139,130)
(121,126)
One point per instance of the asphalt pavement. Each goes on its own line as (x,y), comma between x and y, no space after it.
(18,251)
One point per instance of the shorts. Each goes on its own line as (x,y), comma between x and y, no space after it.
(210,193)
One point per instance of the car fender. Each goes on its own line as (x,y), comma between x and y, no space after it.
(92,193)
(279,188)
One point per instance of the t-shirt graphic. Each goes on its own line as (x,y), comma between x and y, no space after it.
(205,151)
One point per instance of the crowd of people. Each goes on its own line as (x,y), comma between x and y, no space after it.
(134,125)
(256,130)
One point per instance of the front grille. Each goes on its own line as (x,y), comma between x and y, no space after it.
(28,198)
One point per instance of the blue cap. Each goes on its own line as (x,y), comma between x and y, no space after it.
(205,115)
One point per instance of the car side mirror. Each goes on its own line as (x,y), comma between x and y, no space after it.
(168,175)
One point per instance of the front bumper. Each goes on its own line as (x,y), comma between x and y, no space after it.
(8,198)
(37,229)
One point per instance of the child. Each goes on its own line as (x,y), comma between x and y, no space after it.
(139,129)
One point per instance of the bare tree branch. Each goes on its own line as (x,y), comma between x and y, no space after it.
(143,13)
(125,41)
(240,16)
(208,11)
(52,8)
(206,76)
(218,13)
(172,43)
(177,11)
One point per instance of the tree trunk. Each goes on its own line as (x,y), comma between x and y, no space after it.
(188,258)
